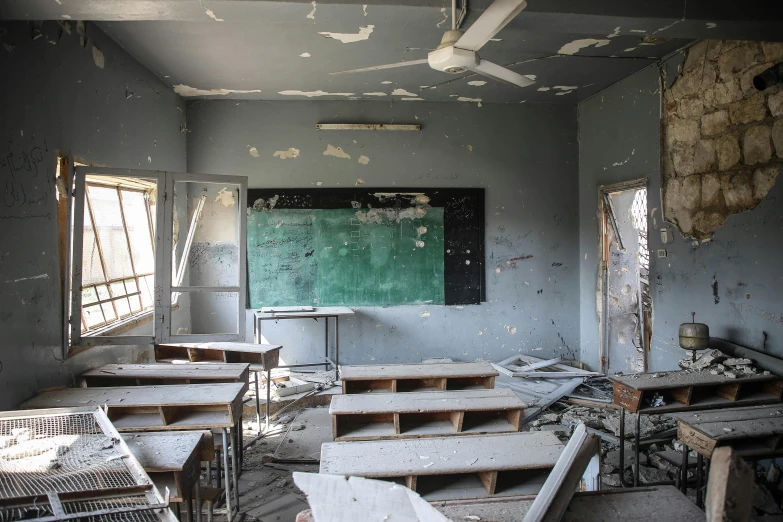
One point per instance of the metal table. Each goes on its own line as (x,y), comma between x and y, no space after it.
(325,312)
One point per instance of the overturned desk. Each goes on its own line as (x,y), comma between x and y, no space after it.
(307,312)
(165,408)
(261,357)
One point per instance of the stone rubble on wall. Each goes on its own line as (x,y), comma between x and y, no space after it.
(722,144)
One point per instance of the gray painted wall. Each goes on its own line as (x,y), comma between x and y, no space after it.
(618,141)
(54,96)
(743,257)
(524,155)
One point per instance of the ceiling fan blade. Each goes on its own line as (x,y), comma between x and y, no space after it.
(382,67)
(495,18)
(501,74)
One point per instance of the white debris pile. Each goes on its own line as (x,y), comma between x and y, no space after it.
(718,363)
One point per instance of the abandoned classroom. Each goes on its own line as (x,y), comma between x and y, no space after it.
(292,260)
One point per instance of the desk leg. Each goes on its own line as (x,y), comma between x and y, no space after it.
(258,403)
(209,473)
(326,343)
(197,495)
(336,347)
(268,397)
(187,499)
(699,479)
(622,447)
(636,441)
(684,470)
(228,479)
(235,471)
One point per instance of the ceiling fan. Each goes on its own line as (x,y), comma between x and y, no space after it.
(458,50)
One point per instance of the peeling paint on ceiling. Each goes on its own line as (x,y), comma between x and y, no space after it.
(363,34)
(187,91)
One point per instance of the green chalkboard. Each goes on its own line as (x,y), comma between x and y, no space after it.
(323,257)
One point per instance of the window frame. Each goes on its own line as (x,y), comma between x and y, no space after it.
(77,250)
(75,342)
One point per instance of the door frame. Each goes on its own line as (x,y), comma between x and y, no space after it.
(606,217)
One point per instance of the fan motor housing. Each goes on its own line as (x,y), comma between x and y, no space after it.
(452,60)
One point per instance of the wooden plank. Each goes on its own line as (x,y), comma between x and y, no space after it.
(126,396)
(729,488)
(679,379)
(417,371)
(682,395)
(587,453)
(695,440)
(405,457)
(539,511)
(662,504)
(490,480)
(271,309)
(729,391)
(159,452)
(548,375)
(471,400)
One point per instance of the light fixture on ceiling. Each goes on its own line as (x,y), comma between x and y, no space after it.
(458,50)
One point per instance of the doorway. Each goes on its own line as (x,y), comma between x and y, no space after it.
(625,283)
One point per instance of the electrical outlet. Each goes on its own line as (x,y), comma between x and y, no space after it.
(662,253)
(664,235)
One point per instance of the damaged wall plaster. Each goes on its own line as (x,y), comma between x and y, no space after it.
(722,139)
(66,103)
(538,296)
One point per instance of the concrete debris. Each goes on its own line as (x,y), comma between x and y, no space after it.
(549,418)
(648,475)
(612,480)
(773,473)
(718,363)
(764,501)
(646,426)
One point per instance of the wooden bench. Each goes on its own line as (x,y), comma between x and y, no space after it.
(152,374)
(754,431)
(155,408)
(451,467)
(425,414)
(418,377)
(261,357)
(683,390)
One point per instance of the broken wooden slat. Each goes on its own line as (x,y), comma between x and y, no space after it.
(548,375)
(729,488)
(544,502)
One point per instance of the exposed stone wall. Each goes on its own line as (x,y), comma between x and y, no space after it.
(722,139)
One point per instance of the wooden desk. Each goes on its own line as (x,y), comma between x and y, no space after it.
(261,357)
(687,391)
(163,374)
(172,460)
(451,467)
(176,407)
(755,431)
(425,414)
(325,312)
(418,377)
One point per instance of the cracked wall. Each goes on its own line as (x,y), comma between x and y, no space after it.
(722,139)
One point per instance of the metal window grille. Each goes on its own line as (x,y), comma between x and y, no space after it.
(71,464)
